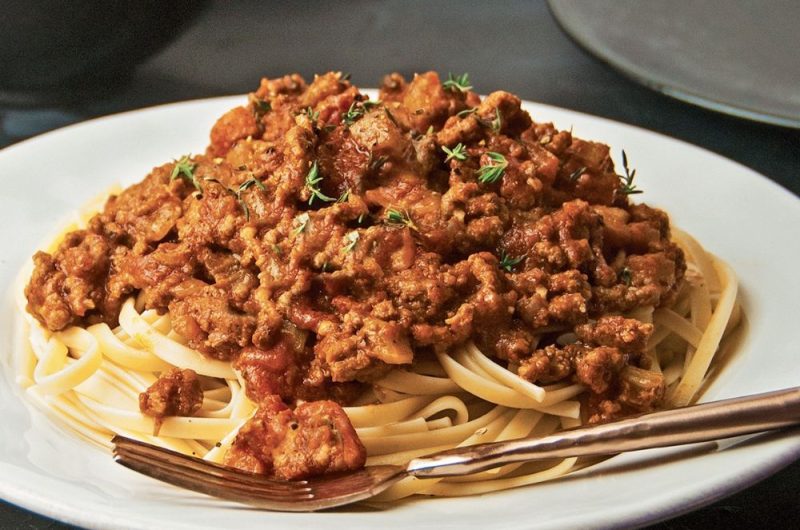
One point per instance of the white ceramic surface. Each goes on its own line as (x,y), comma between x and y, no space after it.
(738,214)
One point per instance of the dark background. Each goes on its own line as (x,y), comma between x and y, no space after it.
(222,48)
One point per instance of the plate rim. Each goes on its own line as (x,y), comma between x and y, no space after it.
(62,510)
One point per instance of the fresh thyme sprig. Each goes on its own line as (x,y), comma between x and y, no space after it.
(466,112)
(497,123)
(575,175)
(313,116)
(400,218)
(494,170)
(508,263)
(376,164)
(261,106)
(459,152)
(301,223)
(628,187)
(313,178)
(459,83)
(625,276)
(356,110)
(344,197)
(244,186)
(184,169)
(352,238)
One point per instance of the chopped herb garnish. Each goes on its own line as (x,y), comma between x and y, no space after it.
(361,218)
(344,77)
(459,152)
(313,179)
(458,83)
(344,196)
(628,187)
(390,116)
(508,263)
(497,123)
(625,276)
(261,106)
(301,223)
(352,114)
(313,116)
(376,163)
(184,169)
(356,110)
(396,217)
(252,181)
(493,171)
(575,175)
(352,239)
(467,112)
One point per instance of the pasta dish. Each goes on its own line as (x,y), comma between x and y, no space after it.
(339,281)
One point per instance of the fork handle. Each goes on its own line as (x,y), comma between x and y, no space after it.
(697,423)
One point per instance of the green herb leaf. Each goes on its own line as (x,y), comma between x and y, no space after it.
(459,152)
(458,83)
(494,170)
(252,181)
(357,110)
(313,179)
(508,263)
(497,123)
(313,116)
(184,169)
(344,197)
(261,106)
(626,276)
(467,112)
(628,187)
(376,164)
(575,175)
(400,218)
(352,238)
(301,223)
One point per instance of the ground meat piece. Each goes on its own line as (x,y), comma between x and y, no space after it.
(513,119)
(209,323)
(314,439)
(69,285)
(234,125)
(626,334)
(597,368)
(175,393)
(549,364)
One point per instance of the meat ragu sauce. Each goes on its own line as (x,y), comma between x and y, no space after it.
(324,239)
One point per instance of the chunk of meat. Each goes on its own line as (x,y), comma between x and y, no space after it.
(69,285)
(175,393)
(626,334)
(234,125)
(314,439)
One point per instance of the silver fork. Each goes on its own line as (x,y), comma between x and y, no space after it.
(698,423)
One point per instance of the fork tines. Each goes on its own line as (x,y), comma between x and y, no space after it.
(257,490)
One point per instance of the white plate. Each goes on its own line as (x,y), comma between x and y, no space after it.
(738,214)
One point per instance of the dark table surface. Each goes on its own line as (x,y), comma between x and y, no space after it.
(516,46)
